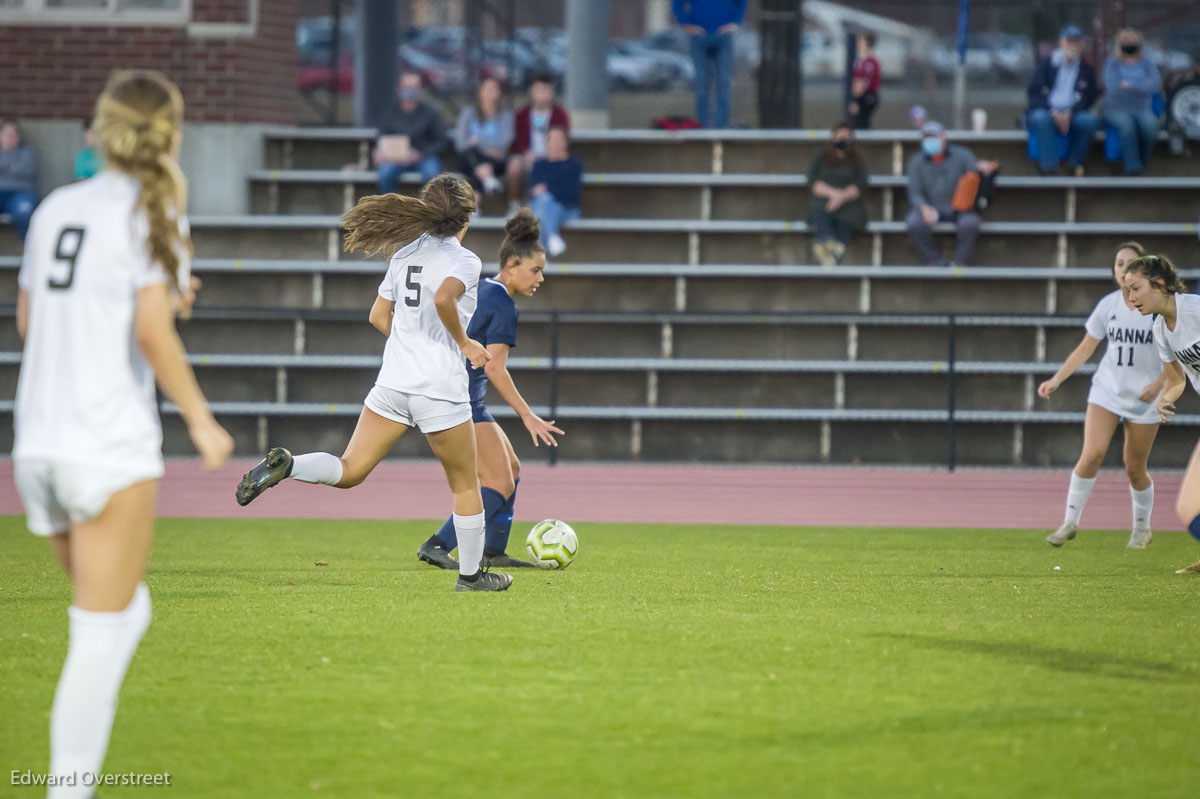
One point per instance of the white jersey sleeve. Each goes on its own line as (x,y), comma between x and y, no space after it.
(467,268)
(386,288)
(1097,323)
(1160,341)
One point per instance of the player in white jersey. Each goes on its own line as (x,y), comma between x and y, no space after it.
(95,309)
(425,302)
(1155,289)
(1124,387)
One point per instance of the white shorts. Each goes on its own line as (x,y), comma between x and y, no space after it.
(415,410)
(56,493)
(1137,412)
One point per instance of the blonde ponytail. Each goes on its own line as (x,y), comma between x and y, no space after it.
(137,122)
(387,222)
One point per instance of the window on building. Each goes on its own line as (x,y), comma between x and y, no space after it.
(106,12)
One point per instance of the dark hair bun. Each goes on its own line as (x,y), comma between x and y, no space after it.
(523,227)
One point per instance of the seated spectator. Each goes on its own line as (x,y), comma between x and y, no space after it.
(1061,92)
(88,162)
(1130,82)
(933,176)
(838,179)
(412,134)
(864,88)
(18,177)
(482,137)
(557,182)
(532,124)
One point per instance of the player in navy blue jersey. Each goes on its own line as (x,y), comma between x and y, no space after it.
(522,266)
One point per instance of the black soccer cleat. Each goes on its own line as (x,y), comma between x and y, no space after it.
(270,471)
(484,581)
(433,553)
(502,560)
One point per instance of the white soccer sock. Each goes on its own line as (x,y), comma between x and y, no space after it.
(1077,496)
(317,467)
(1143,506)
(102,644)
(469,530)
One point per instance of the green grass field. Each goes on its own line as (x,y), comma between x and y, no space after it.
(668,661)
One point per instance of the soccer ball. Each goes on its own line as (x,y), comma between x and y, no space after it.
(552,544)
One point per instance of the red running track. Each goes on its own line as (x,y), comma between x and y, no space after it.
(750,495)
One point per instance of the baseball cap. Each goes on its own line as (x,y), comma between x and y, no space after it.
(932,128)
(1071,32)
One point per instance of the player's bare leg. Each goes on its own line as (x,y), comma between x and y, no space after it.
(1098,428)
(1188,504)
(455,448)
(1139,438)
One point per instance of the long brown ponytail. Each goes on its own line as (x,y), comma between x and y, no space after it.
(137,120)
(387,222)
(1159,271)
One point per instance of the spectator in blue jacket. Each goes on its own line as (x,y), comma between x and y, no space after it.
(557,182)
(711,25)
(1130,82)
(18,177)
(1061,92)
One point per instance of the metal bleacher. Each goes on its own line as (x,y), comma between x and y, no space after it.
(685,322)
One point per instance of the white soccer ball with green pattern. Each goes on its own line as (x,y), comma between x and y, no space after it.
(552,544)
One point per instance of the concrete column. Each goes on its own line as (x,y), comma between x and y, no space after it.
(375,60)
(587,72)
(658,15)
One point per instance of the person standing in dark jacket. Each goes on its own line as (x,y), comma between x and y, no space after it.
(18,177)
(1061,91)
(711,25)
(838,180)
(421,124)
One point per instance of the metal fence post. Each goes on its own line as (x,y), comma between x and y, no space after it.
(552,452)
(951,432)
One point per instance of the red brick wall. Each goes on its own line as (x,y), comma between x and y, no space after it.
(55,72)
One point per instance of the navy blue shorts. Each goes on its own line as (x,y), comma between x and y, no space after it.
(480,413)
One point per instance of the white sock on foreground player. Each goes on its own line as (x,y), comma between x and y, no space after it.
(1143,506)
(1077,497)
(469,530)
(317,467)
(102,644)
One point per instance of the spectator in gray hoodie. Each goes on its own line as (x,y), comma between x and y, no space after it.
(933,175)
(18,177)
(482,137)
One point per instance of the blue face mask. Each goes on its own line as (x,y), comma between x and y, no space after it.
(931,146)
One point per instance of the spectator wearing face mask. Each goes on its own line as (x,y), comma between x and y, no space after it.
(933,176)
(1130,82)
(412,135)
(838,180)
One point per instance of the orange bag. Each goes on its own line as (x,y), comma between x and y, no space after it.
(966,192)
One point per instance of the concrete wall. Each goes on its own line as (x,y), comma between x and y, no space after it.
(215,157)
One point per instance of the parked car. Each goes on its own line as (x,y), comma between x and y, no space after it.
(1001,56)
(314,39)
(632,66)
(1183,101)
